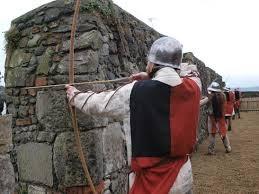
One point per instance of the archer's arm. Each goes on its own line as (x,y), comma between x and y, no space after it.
(108,103)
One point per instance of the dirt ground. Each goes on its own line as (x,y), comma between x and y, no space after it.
(236,172)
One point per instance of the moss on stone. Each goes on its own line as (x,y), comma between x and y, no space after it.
(105,8)
(12,37)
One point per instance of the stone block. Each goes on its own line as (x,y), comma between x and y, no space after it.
(52,110)
(35,29)
(33,61)
(92,39)
(30,80)
(24,100)
(18,76)
(18,58)
(39,51)
(119,182)
(32,100)
(23,111)
(127,136)
(23,122)
(38,19)
(23,42)
(32,92)
(11,109)
(113,148)
(31,110)
(86,27)
(34,161)
(53,24)
(5,133)
(66,161)
(23,92)
(16,92)
(44,62)
(41,81)
(7,180)
(45,136)
(52,14)
(24,137)
(52,41)
(34,41)
(32,189)
(113,48)
(16,100)
(90,122)
(105,50)
(85,62)
(56,58)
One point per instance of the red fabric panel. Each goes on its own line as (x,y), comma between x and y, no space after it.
(221,124)
(229,105)
(184,117)
(155,180)
(237,104)
(232,97)
(143,162)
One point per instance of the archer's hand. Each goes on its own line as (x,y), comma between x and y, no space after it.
(71,91)
(140,76)
(189,70)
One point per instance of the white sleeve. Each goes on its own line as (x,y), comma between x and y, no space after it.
(204,101)
(108,103)
(191,72)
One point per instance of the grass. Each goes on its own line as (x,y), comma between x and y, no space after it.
(12,37)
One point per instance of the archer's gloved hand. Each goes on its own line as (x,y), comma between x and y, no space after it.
(71,91)
(140,76)
(189,70)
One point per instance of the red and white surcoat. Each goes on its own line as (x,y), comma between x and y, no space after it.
(160,121)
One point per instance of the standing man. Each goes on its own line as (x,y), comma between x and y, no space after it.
(229,106)
(163,105)
(2,98)
(216,118)
(237,103)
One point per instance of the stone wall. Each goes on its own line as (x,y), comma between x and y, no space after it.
(110,43)
(7,179)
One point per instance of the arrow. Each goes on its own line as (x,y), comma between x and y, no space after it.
(119,80)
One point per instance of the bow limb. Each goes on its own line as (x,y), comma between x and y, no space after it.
(72,109)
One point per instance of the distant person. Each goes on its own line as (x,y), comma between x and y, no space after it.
(229,106)
(2,99)
(216,119)
(237,103)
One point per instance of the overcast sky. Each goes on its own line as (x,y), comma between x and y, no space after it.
(222,33)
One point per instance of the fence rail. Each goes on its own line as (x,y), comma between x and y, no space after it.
(249,104)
